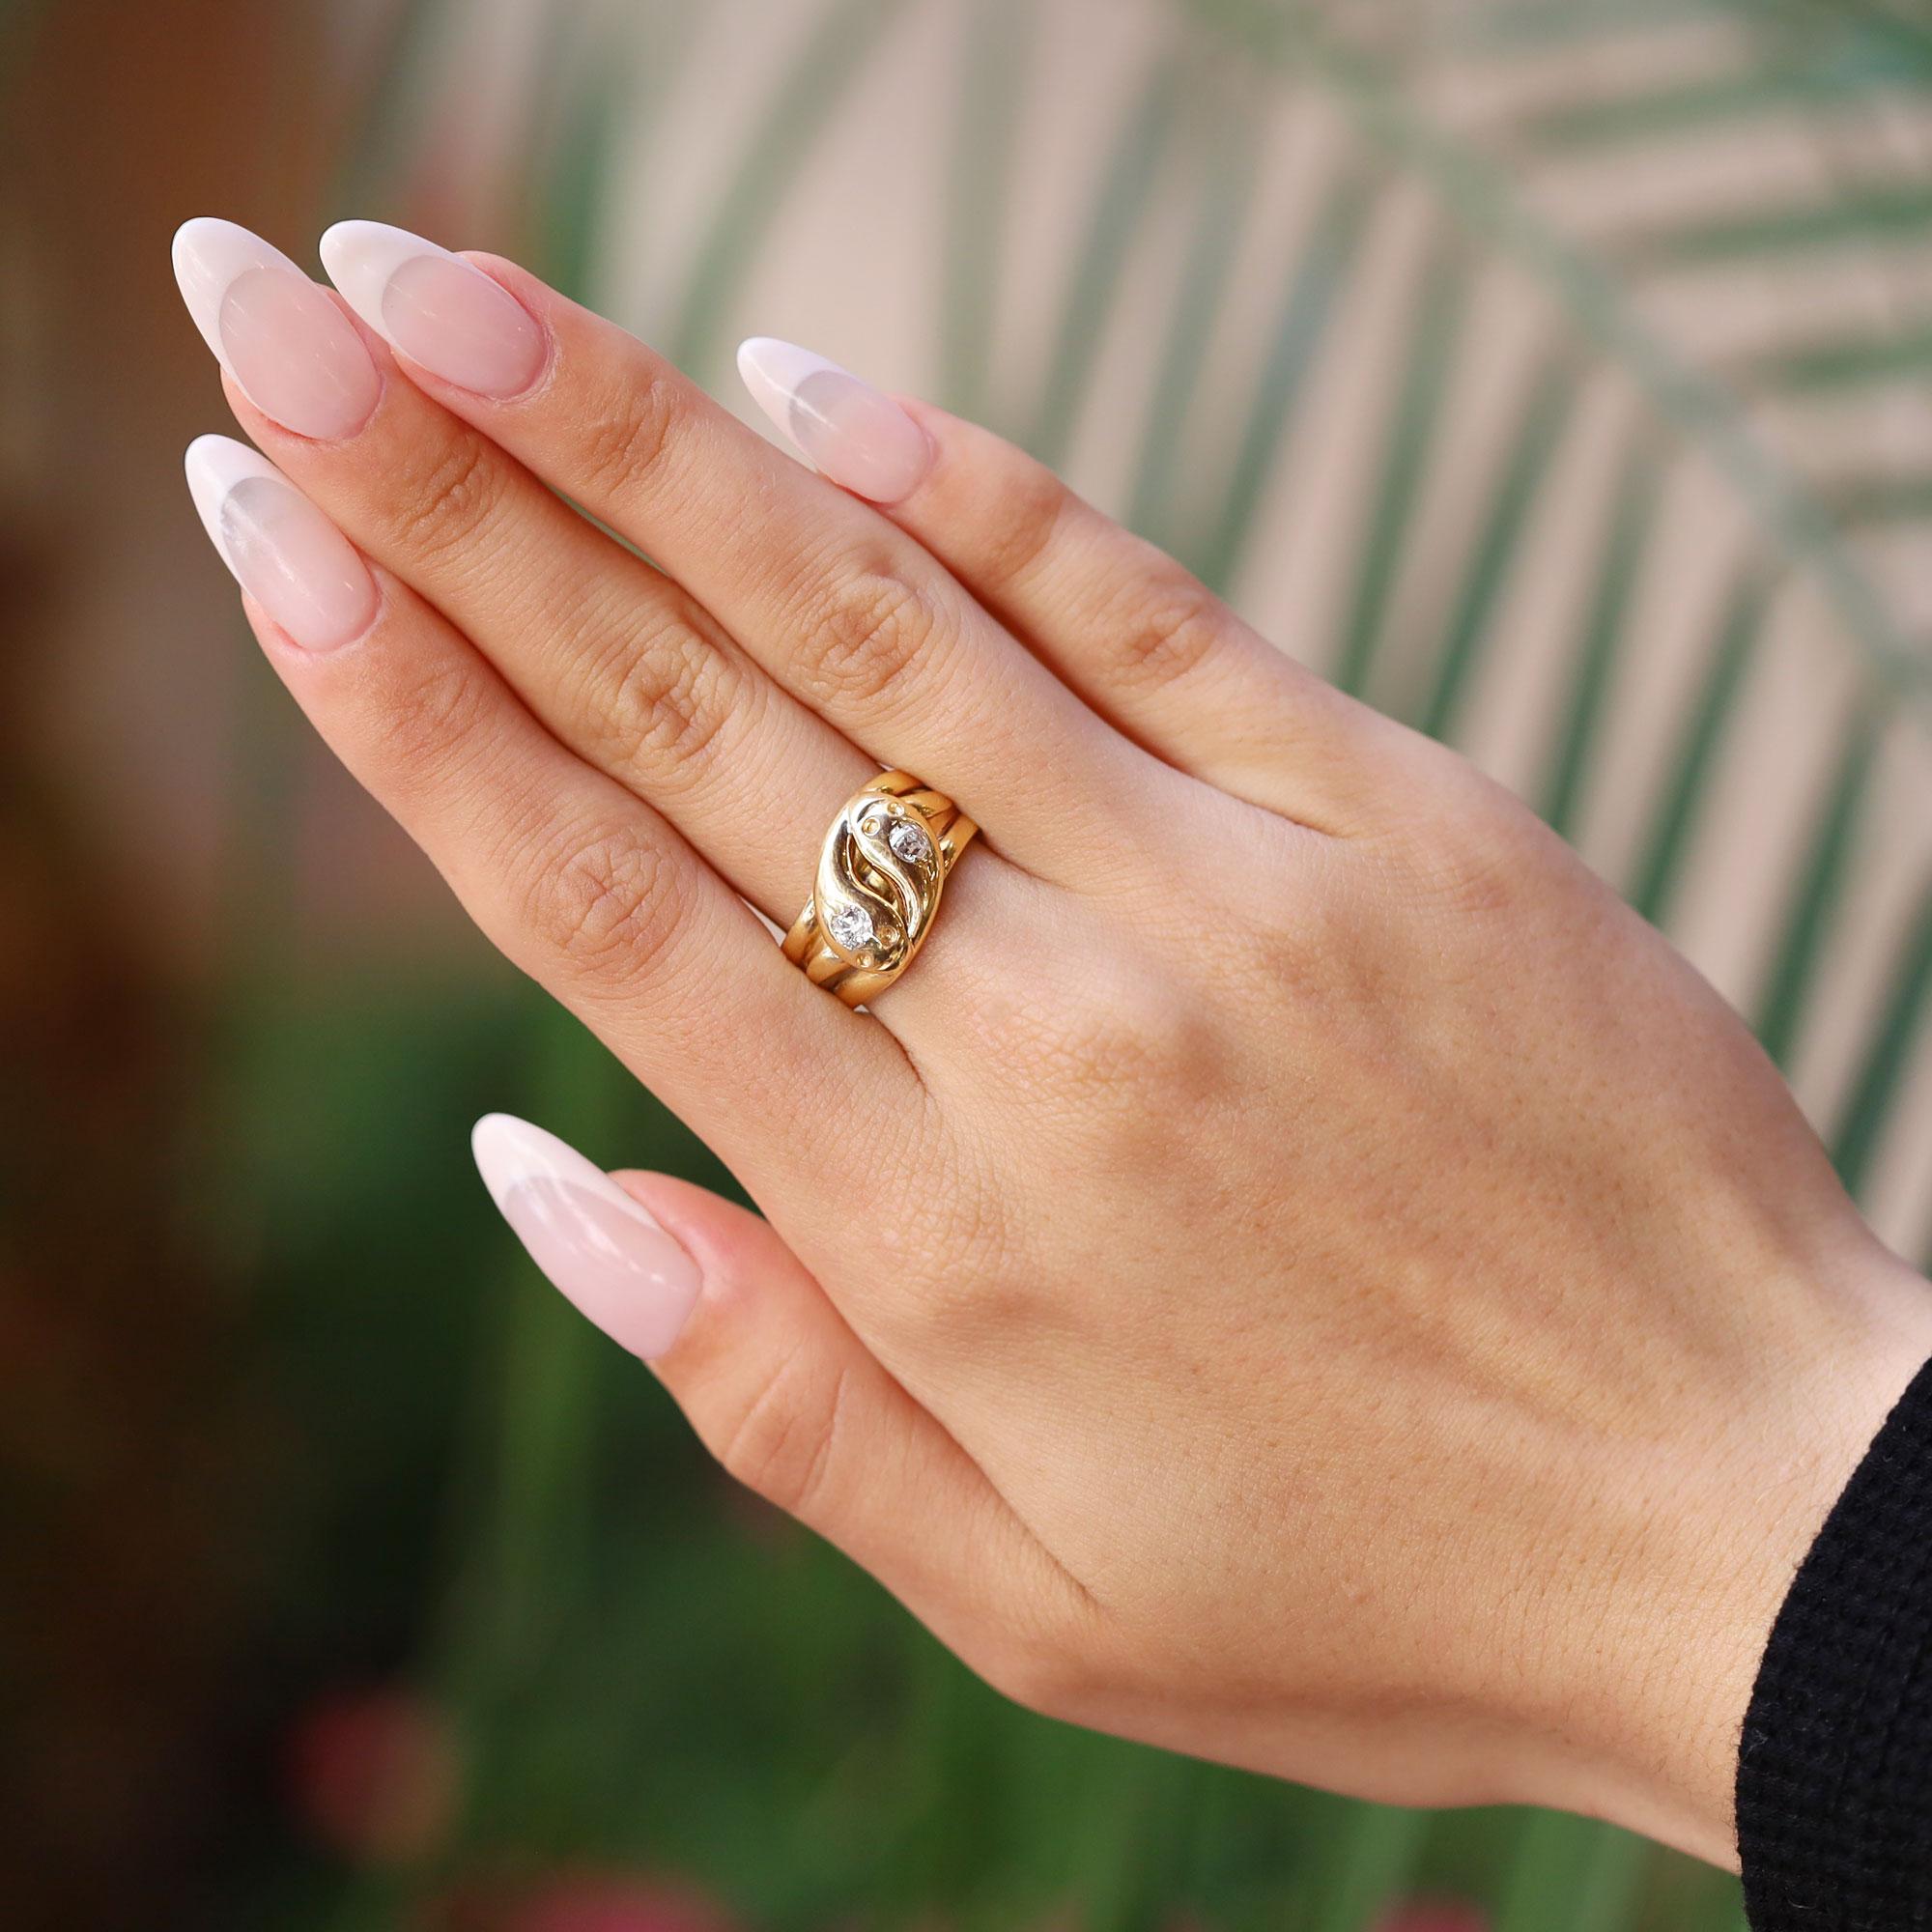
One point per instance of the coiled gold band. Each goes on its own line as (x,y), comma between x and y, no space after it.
(880,873)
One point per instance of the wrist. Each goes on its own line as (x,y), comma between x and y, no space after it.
(1699,1538)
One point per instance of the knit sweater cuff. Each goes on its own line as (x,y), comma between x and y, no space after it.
(1834,1765)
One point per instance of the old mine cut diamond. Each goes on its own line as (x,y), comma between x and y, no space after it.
(851,926)
(909,842)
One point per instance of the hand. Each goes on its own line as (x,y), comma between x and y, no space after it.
(1295,1272)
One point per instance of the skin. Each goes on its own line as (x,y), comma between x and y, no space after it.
(1296,1273)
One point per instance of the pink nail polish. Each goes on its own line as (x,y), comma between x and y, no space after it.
(288,346)
(281,549)
(844,428)
(435,308)
(589,1237)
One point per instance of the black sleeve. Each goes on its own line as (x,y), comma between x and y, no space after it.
(1835,1766)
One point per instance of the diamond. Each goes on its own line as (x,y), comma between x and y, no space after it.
(851,926)
(909,842)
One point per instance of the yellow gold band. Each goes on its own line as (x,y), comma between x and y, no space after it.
(880,874)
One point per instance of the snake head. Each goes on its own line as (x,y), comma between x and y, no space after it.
(879,878)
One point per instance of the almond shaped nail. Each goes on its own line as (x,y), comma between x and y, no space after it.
(435,307)
(291,349)
(844,428)
(280,548)
(591,1239)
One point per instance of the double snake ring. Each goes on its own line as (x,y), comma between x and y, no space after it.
(880,874)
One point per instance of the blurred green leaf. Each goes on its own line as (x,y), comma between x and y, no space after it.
(1539,435)
(1881,1074)
(1368,1866)
(981,180)
(1127,180)
(1821,882)
(1228,134)
(1677,109)
(1844,363)
(1316,277)
(1878,213)
(844,39)
(1407,441)
(1632,514)
(1694,758)
(1573,1873)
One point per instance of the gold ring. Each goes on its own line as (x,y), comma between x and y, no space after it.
(880,871)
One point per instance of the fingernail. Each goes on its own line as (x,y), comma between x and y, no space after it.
(844,428)
(281,338)
(283,551)
(589,1237)
(435,307)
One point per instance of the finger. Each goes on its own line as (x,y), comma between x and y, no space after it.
(574,879)
(847,612)
(791,1403)
(621,664)
(778,1388)
(1141,639)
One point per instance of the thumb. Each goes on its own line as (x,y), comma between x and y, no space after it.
(777,1386)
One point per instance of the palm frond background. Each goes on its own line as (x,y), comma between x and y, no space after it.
(1555,374)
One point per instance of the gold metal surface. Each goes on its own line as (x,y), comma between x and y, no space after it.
(872,904)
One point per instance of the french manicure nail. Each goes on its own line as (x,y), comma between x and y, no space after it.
(435,307)
(844,428)
(282,549)
(281,338)
(594,1243)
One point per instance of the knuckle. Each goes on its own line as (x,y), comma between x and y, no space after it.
(983,1289)
(1481,852)
(1131,1074)
(1021,523)
(628,430)
(428,716)
(1464,876)
(965,1269)
(1174,626)
(668,700)
(971,1229)
(866,633)
(606,900)
(453,500)
(1131,1036)
(783,1441)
